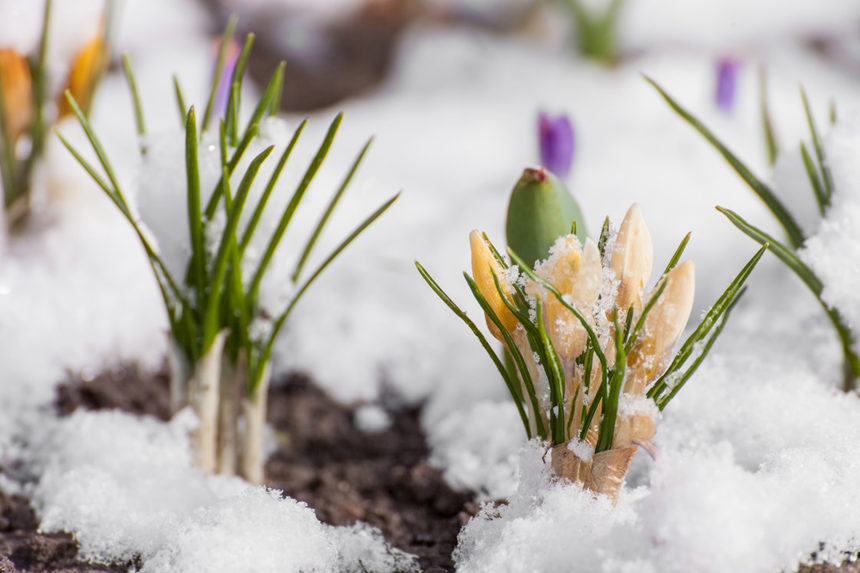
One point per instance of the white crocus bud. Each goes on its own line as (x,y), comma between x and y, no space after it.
(632,258)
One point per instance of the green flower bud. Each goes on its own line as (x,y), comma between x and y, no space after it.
(540,211)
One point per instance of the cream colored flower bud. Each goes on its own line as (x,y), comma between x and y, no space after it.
(577,274)
(17,92)
(484,265)
(663,326)
(632,258)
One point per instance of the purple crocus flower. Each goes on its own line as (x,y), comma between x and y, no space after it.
(556,142)
(727,79)
(226,80)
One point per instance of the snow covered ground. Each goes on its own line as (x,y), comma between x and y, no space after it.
(757,461)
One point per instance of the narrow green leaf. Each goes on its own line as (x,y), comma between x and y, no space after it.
(719,307)
(219,69)
(228,237)
(770,139)
(306,252)
(279,322)
(782,252)
(135,96)
(814,180)
(555,377)
(291,207)
(510,382)
(197,266)
(270,186)
(676,256)
(234,101)
(792,229)
(180,100)
(509,343)
(663,401)
(819,149)
(610,410)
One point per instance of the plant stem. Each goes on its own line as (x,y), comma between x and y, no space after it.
(203,396)
(254,412)
(232,379)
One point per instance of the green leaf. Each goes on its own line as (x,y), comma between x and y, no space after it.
(676,256)
(291,207)
(722,304)
(180,100)
(782,252)
(234,101)
(279,322)
(770,139)
(819,149)
(135,96)
(555,377)
(228,237)
(792,229)
(511,346)
(814,180)
(197,266)
(219,69)
(264,198)
(663,401)
(616,381)
(306,252)
(510,382)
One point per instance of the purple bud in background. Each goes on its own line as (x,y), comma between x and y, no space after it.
(555,138)
(727,79)
(223,91)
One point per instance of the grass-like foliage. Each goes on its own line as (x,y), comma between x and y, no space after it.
(821,183)
(24,109)
(578,348)
(216,296)
(596,31)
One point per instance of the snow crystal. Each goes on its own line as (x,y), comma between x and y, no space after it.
(581,449)
(372,418)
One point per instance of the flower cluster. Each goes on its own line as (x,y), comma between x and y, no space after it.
(607,291)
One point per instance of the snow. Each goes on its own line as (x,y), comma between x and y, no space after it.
(757,456)
(372,418)
(831,253)
(125,487)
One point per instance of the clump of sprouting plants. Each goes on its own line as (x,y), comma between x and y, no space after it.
(222,337)
(587,350)
(822,186)
(27,109)
(596,28)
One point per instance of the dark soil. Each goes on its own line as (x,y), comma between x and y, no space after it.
(22,549)
(346,475)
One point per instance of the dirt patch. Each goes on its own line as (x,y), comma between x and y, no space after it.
(346,475)
(381,478)
(23,549)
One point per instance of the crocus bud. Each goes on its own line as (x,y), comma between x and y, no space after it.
(86,67)
(632,258)
(663,326)
(577,273)
(484,266)
(556,143)
(222,93)
(540,210)
(17,92)
(727,79)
